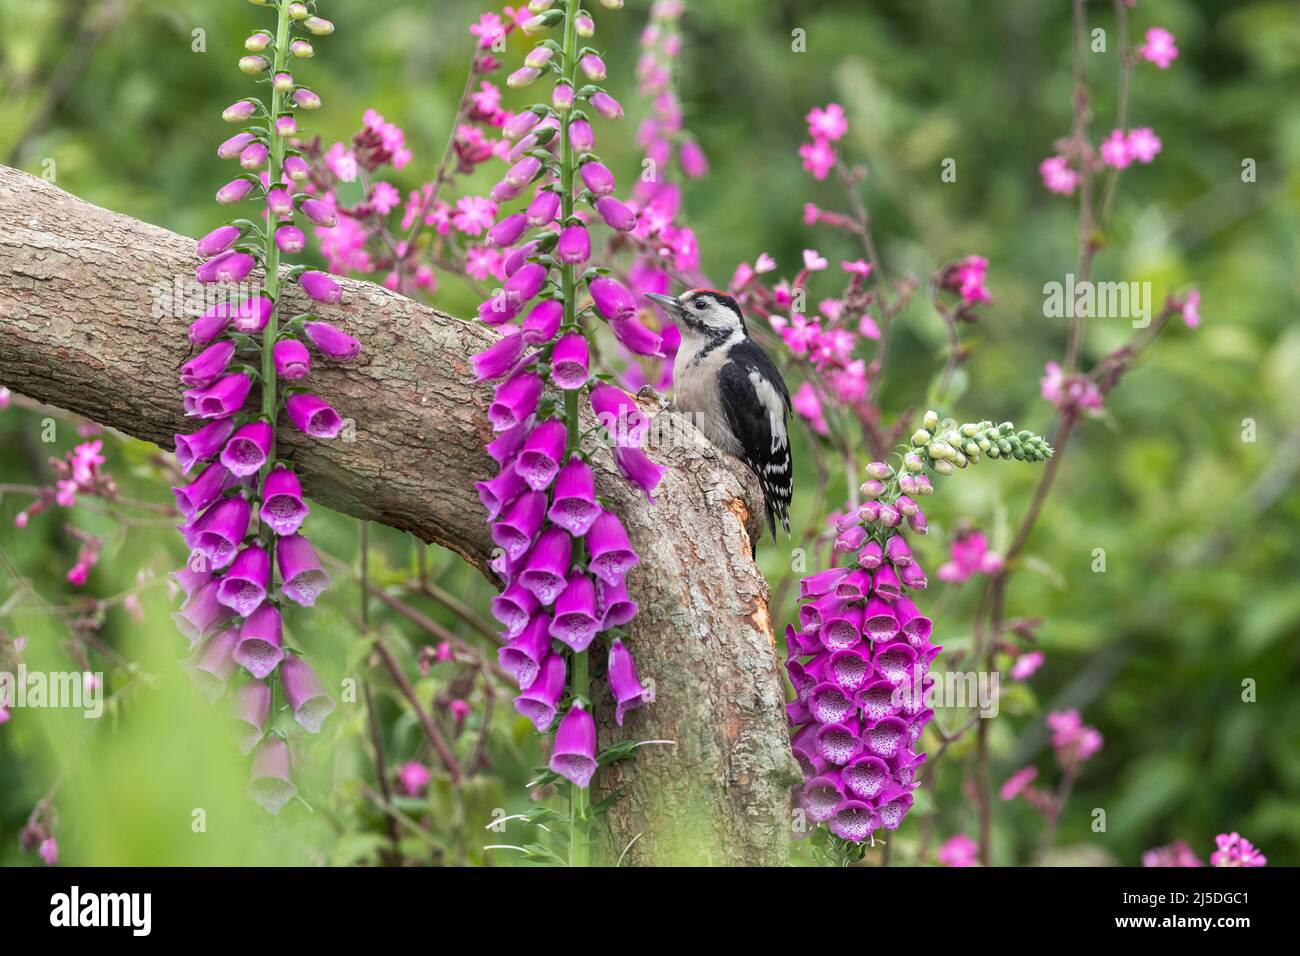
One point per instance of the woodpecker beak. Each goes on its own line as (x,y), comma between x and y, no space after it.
(667,302)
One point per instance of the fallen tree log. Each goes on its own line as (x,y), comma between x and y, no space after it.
(79,329)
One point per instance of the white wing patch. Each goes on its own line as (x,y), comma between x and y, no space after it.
(774,406)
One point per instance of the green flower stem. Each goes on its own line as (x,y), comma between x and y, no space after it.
(579,680)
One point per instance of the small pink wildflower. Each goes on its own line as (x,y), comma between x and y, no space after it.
(412,778)
(807,404)
(1143,144)
(1235,850)
(969,555)
(1192,309)
(1072,739)
(1115,150)
(958,851)
(818,157)
(1057,175)
(1026,665)
(1159,48)
(1017,782)
(827,123)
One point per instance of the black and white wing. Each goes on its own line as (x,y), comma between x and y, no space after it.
(757,403)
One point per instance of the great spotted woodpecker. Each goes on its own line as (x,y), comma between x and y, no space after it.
(734,393)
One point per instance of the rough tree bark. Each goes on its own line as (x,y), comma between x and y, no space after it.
(79,329)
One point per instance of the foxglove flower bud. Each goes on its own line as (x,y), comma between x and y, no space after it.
(218,241)
(507,232)
(496,360)
(322,214)
(574,245)
(312,416)
(291,359)
(305,693)
(583,25)
(239,112)
(612,299)
(543,208)
(279,202)
(543,321)
(296,168)
(574,755)
(523,172)
(332,342)
(253,64)
(283,509)
(562,97)
(320,287)
(232,147)
(258,41)
(581,135)
(252,314)
(290,239)
(306,99)
(318,26)
(521,124)
(286,125)
(234,191)
(598,178)
(616,214)
(203,490)
(282,82)
(302,49)
(593,67)
(253,157)
(227,267)
(606,105)
(525,283)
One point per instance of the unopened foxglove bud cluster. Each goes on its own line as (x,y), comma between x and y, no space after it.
(243,507)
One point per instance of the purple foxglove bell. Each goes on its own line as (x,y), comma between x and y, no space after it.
(227,267)
(569,362)
(525,283)
(507,231)
(319,286)
(234,191)
(212,665)
(916,627)
(243,588)
(694,163)
(519,525)
(894,661)
(522,657)
(612,300)
(574,507)
(606,105)
(878,620)
(546,566)
(252,314)
(290,239)
(283,509)
(611,554)
(849,669)
(866,777)
(581,135)
(523,172)
(291,359)
(221,399)
(332,342)
(260,637)
(616,608)
(514,608)
(496,493)
(297,169)
(896,549)
(253,157)
(575,621)
(855,586)
(821,795)
(543,208)
(246,452)
(271,789)
(823,582)
(305,693)
(624,686)
(838,743)
(498,309)
(251,707)
(202,491)
(506,445)
(913,576)
(616,214)
(574,245)
(190,579)
(202,444)
(597,177)
(637,468)
(220,530)
(514,400)
(208,365)
(311,416)
(574,754)
(841,626)
(539,459)
(885,737)
(300,570)
(210,324)
(538,703)
(871,556)
(854,821)
(504,192)
(885,583)
(200,613)
(218,241)
(543,321)
(498,359)
(830,704)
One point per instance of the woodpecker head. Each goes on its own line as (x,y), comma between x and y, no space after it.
(704,312)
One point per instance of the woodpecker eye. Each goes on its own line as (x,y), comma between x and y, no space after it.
(699,306)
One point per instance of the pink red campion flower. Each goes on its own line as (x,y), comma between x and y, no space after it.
(1159,48)
(1235,850)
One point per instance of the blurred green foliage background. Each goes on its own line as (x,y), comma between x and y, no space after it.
(1198,525)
